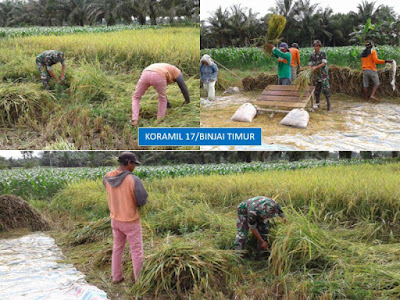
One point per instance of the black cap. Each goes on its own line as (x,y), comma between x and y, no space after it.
(295,45)
(126,157)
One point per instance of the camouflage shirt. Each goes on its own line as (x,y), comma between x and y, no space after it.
(317,59)
(50,57)
(260,209)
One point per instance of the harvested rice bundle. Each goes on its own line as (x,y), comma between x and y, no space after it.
(304,80)
(276,25)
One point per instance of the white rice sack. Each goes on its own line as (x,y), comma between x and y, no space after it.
(245,113)
(296,118)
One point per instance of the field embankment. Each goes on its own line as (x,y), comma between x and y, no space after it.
(341,241)
(92,109)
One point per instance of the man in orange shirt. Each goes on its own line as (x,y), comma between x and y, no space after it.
(369,59)
(295,52)
(125,195)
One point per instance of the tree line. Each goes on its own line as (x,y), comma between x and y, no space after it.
(91,12)
(158,158)
(239,27)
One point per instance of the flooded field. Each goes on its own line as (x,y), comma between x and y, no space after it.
(352,125)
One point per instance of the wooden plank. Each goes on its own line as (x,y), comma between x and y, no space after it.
(285,88)
(281,98)
(282,104)
(286,93)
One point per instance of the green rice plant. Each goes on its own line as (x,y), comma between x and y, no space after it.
(178,266)
(276,25)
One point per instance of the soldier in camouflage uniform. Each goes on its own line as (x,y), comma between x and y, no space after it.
(319,63)
(254,214)
(45,61)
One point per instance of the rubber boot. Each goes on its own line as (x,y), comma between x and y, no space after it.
(328,103)
(317,99)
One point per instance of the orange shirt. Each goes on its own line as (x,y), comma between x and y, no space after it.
(121,199)
(369,62)
(295,56)
(170,72)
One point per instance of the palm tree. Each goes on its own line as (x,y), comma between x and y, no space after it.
(106,9)
(305,14)
(325,26)
(219,27)
(366,10)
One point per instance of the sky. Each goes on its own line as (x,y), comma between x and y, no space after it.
(15,153)
(263,6)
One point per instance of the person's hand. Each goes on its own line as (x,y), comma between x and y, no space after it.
(390,61)
(201,81)
(62,77)
(264,245)
(58,81)
(270,46)
(211,80)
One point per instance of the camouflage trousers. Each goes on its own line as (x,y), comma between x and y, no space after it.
(44,76)
(243,229)
(322,85)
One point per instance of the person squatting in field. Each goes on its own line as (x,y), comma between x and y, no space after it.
(369,59)
(295,52)
(158,75)
(126,194)
(318,62)
(45,61)
(208,75)
(284,60)
(255,213)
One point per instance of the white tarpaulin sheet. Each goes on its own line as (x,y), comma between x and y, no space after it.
(30,268)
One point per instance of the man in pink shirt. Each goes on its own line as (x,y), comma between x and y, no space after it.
(126,194)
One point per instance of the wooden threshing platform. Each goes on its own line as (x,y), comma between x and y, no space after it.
(280,98)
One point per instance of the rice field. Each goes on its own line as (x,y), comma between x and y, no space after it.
(42,183)
(246,58)
(341,240)
(92,109)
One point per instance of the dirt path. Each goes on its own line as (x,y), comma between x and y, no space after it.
(30,268)
(352,125)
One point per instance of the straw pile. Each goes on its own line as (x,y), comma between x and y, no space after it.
(16,213)
(341,79)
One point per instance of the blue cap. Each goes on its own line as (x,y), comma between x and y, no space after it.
(284,45)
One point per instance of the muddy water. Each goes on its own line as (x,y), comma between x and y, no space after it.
(30,268)
(351,126)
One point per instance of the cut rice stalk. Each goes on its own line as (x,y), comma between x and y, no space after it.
(276,25)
